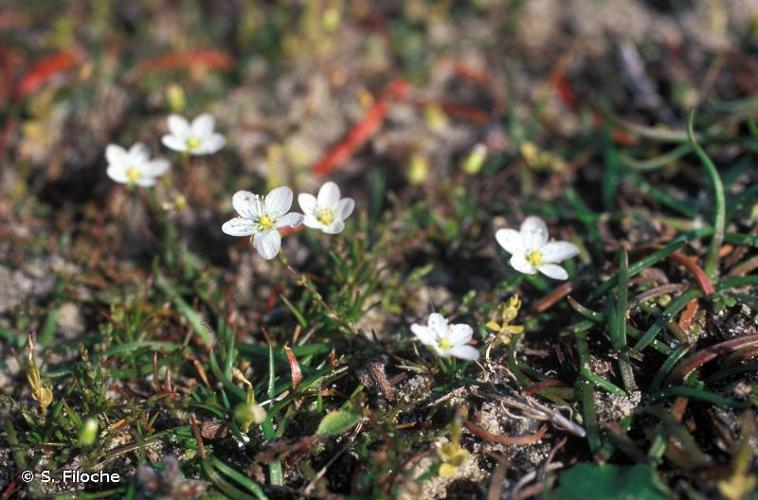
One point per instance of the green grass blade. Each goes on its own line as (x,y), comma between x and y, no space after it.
(719,215)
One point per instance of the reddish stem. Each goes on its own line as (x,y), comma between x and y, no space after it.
(496,438)
(693,362)
(697,272)
(553,297)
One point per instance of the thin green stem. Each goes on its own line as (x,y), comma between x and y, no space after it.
(719,216)
(583,349)
(618,323)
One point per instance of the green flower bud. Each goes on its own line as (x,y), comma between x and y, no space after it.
(88,432)
(247,414)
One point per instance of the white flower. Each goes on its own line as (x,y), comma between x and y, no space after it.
(446,340)
(531,251)
(326,212)
(197,138)
(261,218)
(133,166)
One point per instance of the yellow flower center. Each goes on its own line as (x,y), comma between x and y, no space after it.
(325,216)
(133,174)
(534,258)
(266,223)
(192,143)
(444,343)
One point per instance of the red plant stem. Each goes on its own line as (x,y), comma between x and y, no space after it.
(553,297)
(541,385)
(363,130)
(697,272)
(207,58)
(496,438)
(691,363)
(41,72)
(297,374)
(688,315)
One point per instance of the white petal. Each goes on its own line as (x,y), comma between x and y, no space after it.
(465,352)
(211,145)
(291,219)
(510,240)
(115,154)
(139,153)
(312,222)
(460,333)
(335,227)
(202,126)
(307,203)
(156,167)
(145,181)
(178,126)
(437,323)
(278,201)
(345,208)
(553,271)
(117,172)
(423,333)
(519,263)
(238,227)
(246,204)
(556,251)
(328,195)
(174,143)
(268,243)
(533,233)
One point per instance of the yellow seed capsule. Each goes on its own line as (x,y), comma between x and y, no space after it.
(529,151)
(418,169)
(475,159)
(175,98)
(435,118)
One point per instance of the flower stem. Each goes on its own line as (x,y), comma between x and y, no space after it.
(306,283)
(712,259)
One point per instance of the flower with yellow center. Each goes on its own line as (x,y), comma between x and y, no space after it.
(266,223)
(196,138)
(534,258)
(532,252)
(446,340)
(262,218)
(133,167)
(328,210)
(133,174)
(192,143)
(325,216)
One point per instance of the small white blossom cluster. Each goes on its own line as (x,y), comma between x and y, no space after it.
(262,217)
(531,251)
(134,167)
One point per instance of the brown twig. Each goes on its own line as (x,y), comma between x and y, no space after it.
(553,297)
(496,438)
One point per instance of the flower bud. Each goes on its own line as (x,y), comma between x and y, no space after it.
(249,413)
(88,432)
(175,98)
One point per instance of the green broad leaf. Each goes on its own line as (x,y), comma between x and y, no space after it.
(638,482)
(337,422)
